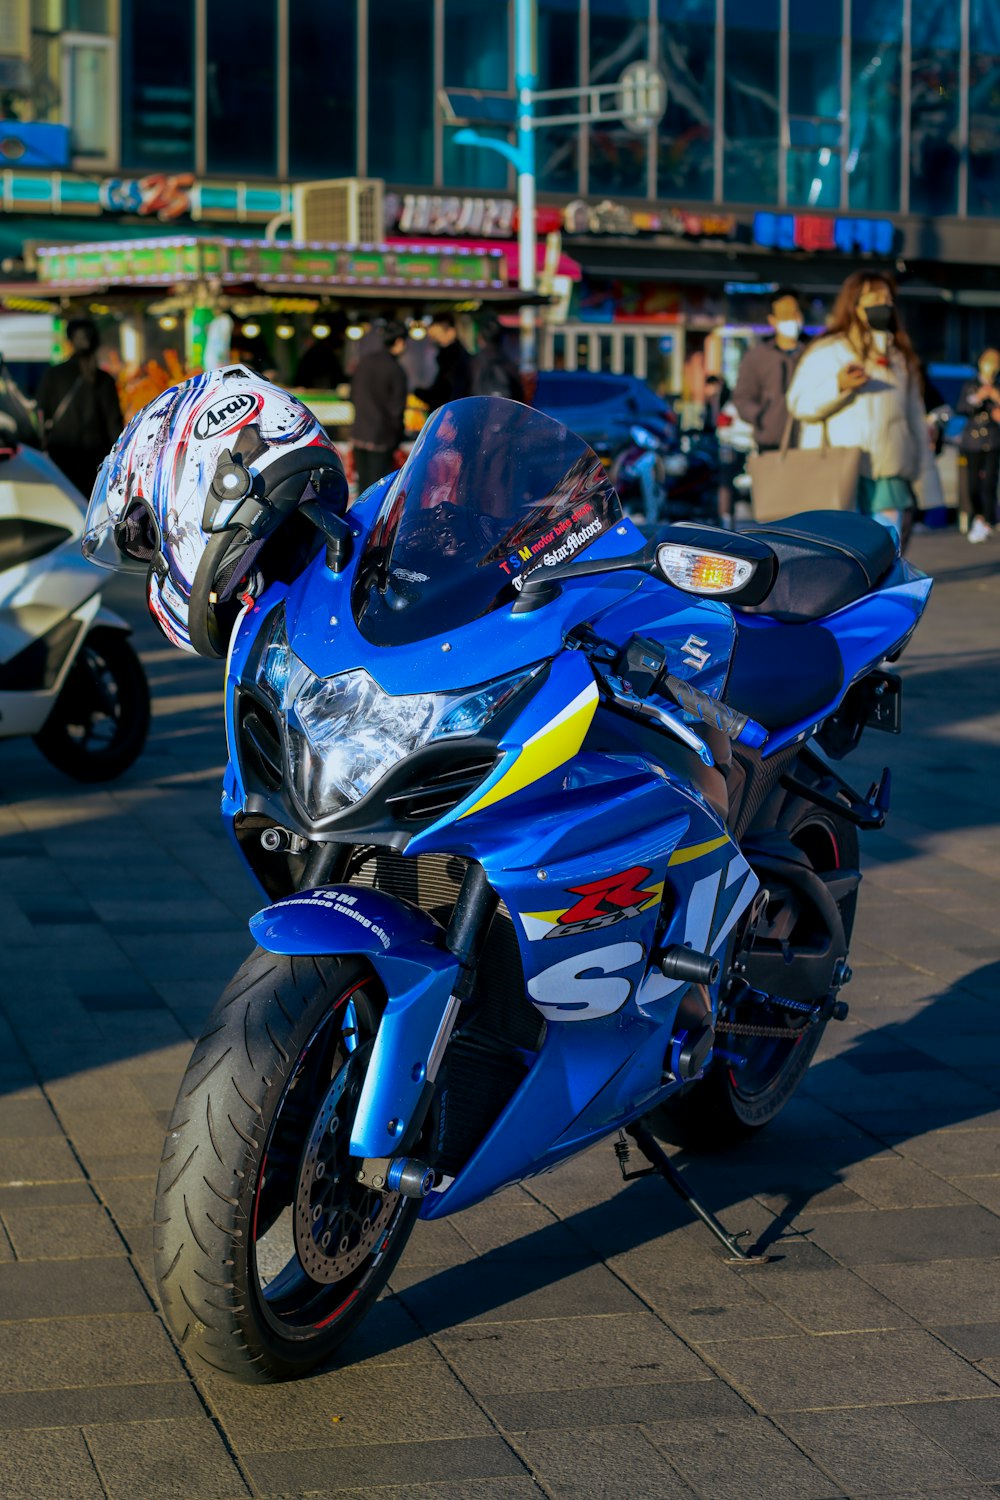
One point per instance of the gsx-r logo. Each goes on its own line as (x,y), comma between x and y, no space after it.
(222,415)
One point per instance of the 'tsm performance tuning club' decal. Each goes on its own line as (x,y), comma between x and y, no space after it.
(600,903)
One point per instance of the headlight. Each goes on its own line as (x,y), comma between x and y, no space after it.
(643,438)
(675,463)
(344,733)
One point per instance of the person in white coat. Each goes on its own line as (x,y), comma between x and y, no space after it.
(859,387)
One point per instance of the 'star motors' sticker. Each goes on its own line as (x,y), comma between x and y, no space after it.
(600,903)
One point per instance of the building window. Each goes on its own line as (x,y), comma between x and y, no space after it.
(687,62)
(158,87)
(89,104)
(984,109)
(476,56)
(873,156)
(812,177)
(619,35)
(87,15)
(322,88)
(751,101)
(241,87)
(934,77)
(558,148)
(401,90)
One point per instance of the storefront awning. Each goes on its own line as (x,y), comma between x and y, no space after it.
(423,273)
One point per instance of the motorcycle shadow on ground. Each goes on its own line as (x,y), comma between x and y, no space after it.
(888,1154)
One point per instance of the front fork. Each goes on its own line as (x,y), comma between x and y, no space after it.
(466,935)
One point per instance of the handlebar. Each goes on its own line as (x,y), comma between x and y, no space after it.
(736,725)
(644,662)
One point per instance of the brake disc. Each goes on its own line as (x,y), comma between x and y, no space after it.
(338,1222)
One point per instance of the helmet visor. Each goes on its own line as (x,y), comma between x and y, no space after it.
(121,544)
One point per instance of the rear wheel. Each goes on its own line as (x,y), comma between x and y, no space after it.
(268,1250)
(99,721)
(746,1090)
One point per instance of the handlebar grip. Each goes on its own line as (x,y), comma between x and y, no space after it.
(737,726)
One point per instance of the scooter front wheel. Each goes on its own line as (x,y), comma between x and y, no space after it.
(99,721)
(269,1252)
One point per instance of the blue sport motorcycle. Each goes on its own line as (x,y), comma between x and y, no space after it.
(553,849)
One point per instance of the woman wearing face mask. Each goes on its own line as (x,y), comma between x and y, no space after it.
(980,446)
(861,383)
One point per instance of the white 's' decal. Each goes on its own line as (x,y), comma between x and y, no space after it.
(571,991)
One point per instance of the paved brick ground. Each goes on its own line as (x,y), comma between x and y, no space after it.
(574,1338)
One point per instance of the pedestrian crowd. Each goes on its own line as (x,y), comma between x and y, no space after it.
(857,393)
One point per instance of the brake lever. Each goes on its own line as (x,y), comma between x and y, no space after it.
(641,708)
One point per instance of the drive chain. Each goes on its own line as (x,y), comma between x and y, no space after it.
(780,1033)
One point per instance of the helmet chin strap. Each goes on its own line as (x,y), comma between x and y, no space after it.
(207,637)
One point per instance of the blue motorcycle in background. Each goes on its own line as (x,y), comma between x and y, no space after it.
(550,853)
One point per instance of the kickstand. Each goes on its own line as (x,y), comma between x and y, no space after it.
(660,1164)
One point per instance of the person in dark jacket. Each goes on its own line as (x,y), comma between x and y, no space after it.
(454,367)
(979,400)
(493,373)
(81,417)
(378,391)
(767,369)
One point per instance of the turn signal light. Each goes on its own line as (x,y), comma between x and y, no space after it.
(701,572)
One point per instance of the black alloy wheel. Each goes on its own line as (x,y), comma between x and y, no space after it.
(100,719)
(746,1089)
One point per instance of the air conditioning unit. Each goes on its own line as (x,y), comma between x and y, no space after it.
(15,29)
(341,211)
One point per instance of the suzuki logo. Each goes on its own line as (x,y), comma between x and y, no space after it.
(693,653)
(222,415)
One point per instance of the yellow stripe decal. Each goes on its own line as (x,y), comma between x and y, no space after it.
(695,851)
(551,746)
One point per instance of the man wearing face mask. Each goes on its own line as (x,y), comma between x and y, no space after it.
(78,402)
(980,446)
(767,369)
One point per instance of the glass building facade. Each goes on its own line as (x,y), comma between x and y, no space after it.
(885,107)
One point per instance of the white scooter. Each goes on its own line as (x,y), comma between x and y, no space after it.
(68,675)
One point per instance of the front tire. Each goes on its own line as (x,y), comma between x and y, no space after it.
(268,1251)
(732,1103)
(99,721)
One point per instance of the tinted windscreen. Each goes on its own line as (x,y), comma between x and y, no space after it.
(491,490)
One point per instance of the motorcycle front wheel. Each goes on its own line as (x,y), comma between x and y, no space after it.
(99,721)
(268,1252)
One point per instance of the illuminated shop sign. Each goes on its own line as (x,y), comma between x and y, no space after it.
(161,195)
(620,219)
(817,232)
(167,262)
(450,214)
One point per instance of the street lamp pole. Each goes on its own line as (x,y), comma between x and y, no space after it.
(525,81)
(639,95)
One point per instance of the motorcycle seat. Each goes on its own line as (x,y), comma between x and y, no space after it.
(826,559)
(785,674)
